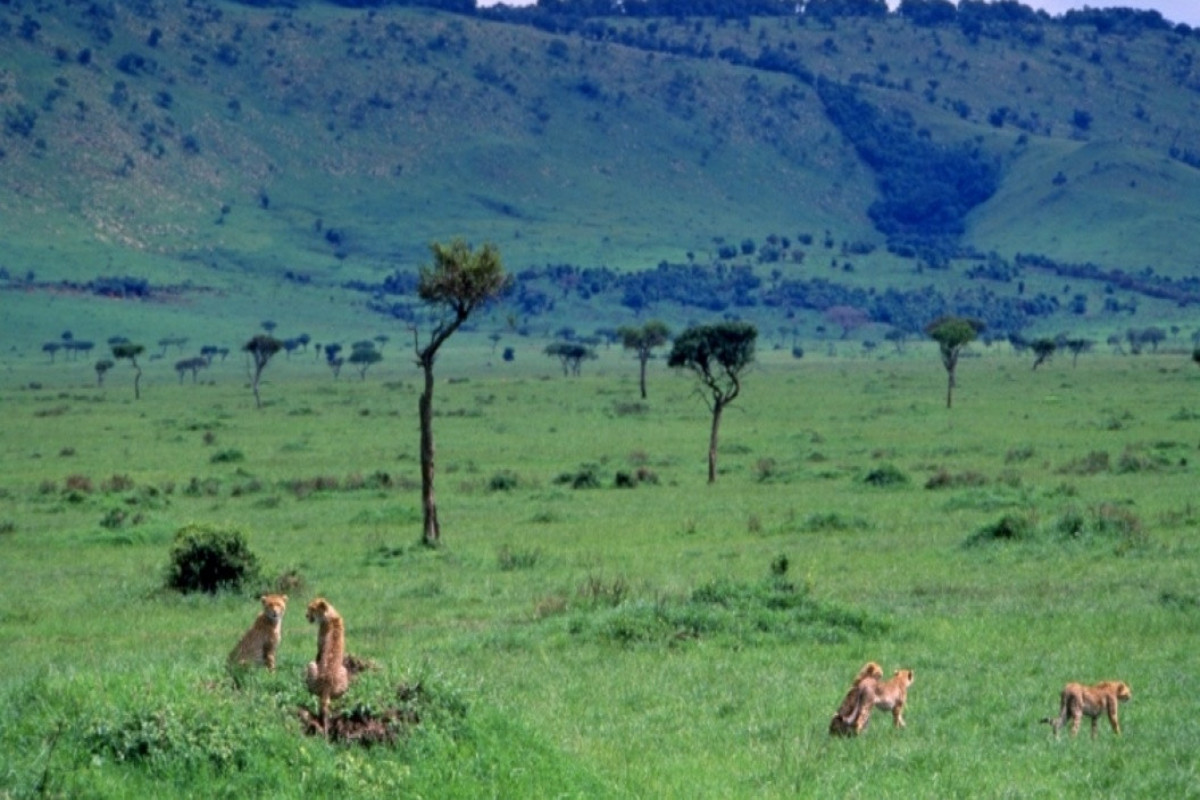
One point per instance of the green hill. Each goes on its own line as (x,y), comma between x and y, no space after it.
(252,162)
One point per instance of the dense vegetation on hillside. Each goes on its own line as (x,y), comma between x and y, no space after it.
(730,158)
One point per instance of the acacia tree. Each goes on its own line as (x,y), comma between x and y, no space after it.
(102,366)
(1077,346)
(952,334)
(364,357)
(1042,350)
(718,355)
(570,354)
(261,348)
(642,340)
(458,283)
(131,351)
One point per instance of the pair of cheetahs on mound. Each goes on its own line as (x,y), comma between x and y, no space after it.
(327,676)
(869,692)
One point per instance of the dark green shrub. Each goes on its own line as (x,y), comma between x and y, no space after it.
(207,559)
(1009,528)
(503,481)
(886,475)
(586,477)
(227,457)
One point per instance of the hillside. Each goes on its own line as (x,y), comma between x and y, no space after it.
(252,162)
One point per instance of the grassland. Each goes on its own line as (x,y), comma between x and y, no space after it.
(609,642)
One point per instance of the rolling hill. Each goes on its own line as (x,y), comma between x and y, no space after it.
(251,161)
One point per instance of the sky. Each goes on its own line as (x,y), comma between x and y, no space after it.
(1173,10)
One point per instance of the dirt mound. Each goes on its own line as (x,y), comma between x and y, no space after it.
(367,726)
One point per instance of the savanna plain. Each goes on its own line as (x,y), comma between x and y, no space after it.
(601,621)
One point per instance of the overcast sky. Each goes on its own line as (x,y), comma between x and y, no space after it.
(1174,10)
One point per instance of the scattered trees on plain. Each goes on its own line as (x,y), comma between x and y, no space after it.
(717,355)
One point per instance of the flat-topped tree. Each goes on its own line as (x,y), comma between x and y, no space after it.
(642,341)
(1042,350)
(458,282)
(718,355)
(570,354)
(261,348)
(952,334)
(364,357)
(130,351)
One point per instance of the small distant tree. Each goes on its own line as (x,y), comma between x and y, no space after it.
(1154,336)
(1042,350)
(130,351)
(847,318)
(194,364)
(952,334)
(363,358)
(571,354)
(1196,356)
(456,285)
(261,348)
(642,341)
(897,337)
(1078,346)
(717,355)
(52,348)
(102,366)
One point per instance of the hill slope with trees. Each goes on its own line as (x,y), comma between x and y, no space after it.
(739,159)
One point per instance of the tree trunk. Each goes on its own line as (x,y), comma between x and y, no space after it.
(643,357)
(254,386)
(949,385)
(137,383)
(432,536)
(718,407)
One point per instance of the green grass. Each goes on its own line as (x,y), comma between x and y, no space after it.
(608,642)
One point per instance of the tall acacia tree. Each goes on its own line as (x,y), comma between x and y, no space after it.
(458,282)
(261,348)
(131,351)
(642,341)
(952,334)
(718,355)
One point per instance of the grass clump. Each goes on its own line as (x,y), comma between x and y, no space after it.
(586,477)
(209,559)
(1009,528)
(736,612)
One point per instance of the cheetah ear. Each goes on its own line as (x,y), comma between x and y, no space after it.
(284,596)
(262,599)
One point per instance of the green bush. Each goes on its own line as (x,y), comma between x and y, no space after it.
(1009,528)
(207,559)
(503,481)
(886,475)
